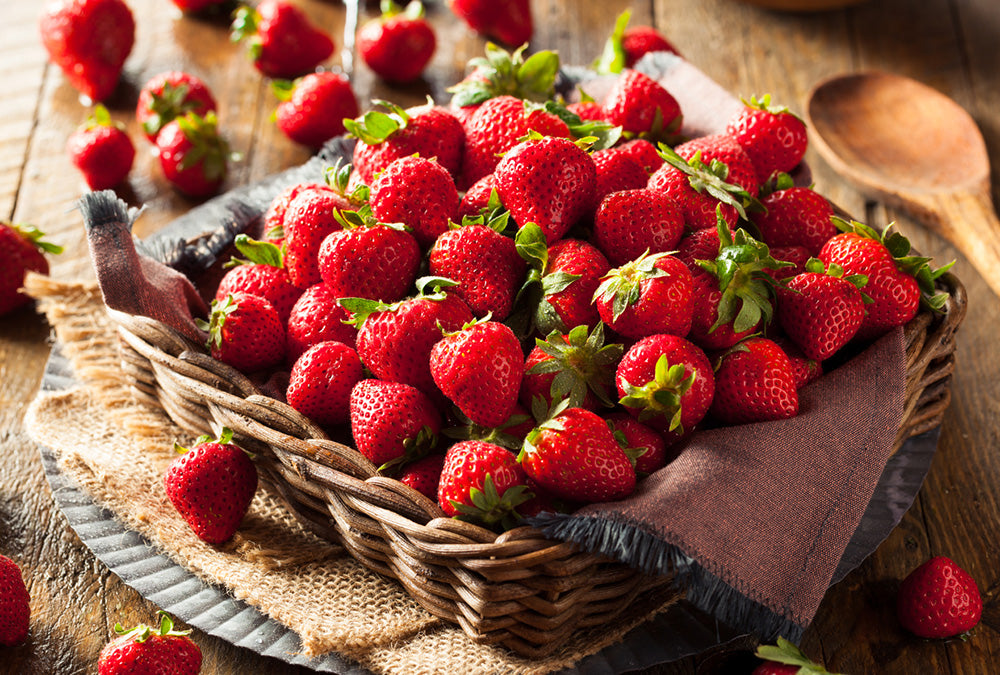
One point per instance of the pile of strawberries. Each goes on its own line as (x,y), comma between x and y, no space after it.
(517,305)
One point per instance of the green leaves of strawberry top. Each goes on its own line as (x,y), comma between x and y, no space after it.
(500,72)
(787,653)
(376,126)
(710,178)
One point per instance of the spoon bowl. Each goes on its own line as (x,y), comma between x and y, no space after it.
(909,145)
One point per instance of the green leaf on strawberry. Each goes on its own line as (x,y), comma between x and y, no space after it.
(613,59)
(787,653)
(710,178)
(500,72)
(662,395)
(376,126)
(256,252)
(34,235)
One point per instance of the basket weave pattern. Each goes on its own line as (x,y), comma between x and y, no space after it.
(518,588)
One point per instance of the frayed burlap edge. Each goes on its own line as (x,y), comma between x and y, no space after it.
(272,563)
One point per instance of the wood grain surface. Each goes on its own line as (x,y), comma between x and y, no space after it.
(947,44)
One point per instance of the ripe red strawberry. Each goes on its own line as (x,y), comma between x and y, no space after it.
(309,218)
(145,650)
(632,222)
(89,40)
(316,317)
(774,138)
(508,21)
(313,107)
(485,264)
(273,225)
(642,107)
(575,456)
(15,604)
(282,40)
(395,341)
(428,131)
(497,126)
(368,259)
(424,475)
(571,270)
(246,332)
(399,44)
(101,150)
(651,294)
(321,380)
(482,482)
(667,383)
(392,422)
(699,245)
(754,382)
(548,181)
(784,658)
(821,310)
(797,256)
(939,599)
(168,96)
(643,152)
(588,110)
(617,171)
(261,273)
(21,250)
(211,486)
(577,366)
(479,369)
(644,441)
(193,156)
(417,192)
(899,283)
(795,216)
(805,369)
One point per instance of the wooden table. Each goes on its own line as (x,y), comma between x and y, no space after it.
(948,44)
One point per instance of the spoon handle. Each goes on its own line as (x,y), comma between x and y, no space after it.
(968,221)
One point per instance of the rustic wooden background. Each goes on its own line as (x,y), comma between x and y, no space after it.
(948,44)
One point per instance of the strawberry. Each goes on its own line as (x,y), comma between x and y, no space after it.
(21,250)
(632,222)
(784,658)
(89,40)
(577,366)
(193,155)
(499,73)
(804,368)
(312,108)
(368,259)
(698,178)
(617,171)
(321,380)
(479,368)
(485,264)
(575,456)
(796,256)
(246,332)
(101,150)
(15,604)
(309,218)
(821,310)
(588,109)
(476,200)
(168,96)
(667,383)
(795,216)
(424,475)
(497,126)
(395,341)
(643,440)
(651,294)
(508,21)
(417,192)
(644,152)
(548,181)
(483,483)
(399,44)
(569,270)
(283,43)
(754,382)
(383,137)
(774,138)
(642,107)
(261,273)
(316,317)
(145,650)
(273,225)
(627,44)
(899,283)
(699,245)
(392,422)
(939,599)
(211,486)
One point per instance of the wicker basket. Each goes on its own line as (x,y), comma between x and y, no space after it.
(517,589)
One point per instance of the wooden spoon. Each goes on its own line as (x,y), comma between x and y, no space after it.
(909,145)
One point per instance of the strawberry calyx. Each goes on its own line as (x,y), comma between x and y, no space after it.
(170,102)
(489,507)
(414,448)
(257,253)
(787,653)
(467,430)
(816,266)
(778,181)
(747,289)
(530,305)
(219,311)
(375,126)
(428,288)
(246,19)
(581,362)
(500,73)
(33,235)
(764,104)
(622,287)
(142,632)
(899,248)
(207,146)
(599,134)
(633,454)
(661,396)
(710,178)
(494,216)
(225,437)
(613,58)
(101,117)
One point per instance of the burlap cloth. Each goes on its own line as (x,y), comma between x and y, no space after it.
(117,449)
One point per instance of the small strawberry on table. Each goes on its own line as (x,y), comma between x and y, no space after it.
(313,107)
(101,150)
(784,658)
(939,599)
(399,44)
(145,650)
(22,250)
(282,40)
(193,155)
(508,21)
(15,609)
(170,95)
